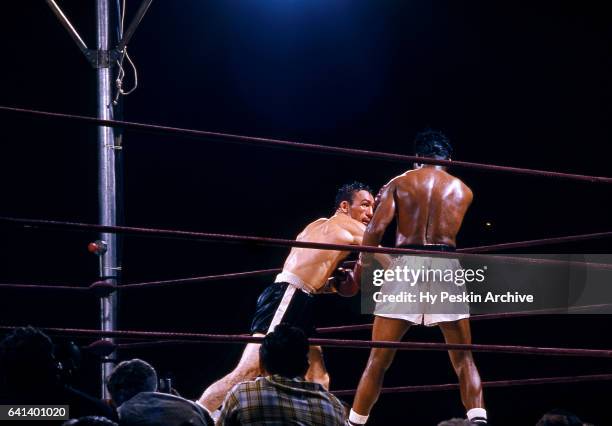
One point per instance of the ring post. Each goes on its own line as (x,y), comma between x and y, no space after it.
(107,177)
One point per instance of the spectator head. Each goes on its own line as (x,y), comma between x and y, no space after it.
(130,378)
(558,417)
(285,352)
(68,356)
(27,359)
(455,422)
(90,421)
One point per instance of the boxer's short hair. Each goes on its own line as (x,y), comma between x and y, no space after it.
(347,192)
(432,143)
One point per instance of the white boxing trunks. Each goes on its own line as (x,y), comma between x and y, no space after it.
(424,278)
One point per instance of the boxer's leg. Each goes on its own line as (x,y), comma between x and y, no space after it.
(389,329)
(247,369)
(317,372)
(463,363)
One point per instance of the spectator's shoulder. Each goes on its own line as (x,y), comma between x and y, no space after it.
(248,386)
(337,402)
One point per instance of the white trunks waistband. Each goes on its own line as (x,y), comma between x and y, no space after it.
(294,280)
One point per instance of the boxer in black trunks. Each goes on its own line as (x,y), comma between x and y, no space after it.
(306,272)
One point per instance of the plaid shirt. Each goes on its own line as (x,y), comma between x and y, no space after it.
(277,400)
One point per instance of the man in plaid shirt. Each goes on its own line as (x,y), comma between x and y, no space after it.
(282,396)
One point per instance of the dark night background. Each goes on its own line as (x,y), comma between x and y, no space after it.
(514,83)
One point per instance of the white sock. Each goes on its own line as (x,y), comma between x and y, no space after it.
(357,419)
(477,414)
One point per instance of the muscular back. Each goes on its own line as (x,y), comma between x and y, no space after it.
(314,266)
(429,205)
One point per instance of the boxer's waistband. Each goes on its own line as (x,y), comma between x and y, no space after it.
(294,280)
(430,247)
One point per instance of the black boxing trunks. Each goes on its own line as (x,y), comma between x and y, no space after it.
(286,303)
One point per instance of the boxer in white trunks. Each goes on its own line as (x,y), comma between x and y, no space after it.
(429,205)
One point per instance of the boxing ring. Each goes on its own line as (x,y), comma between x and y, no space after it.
(104,342)
(107,341)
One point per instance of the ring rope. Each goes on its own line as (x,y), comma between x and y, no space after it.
(538,242)
(220,277)
(45,287)
(109,287)
(207,236)
(104,348)
(478,317)
(360,327)
(162,283)
(238,275)
(226,137)
(343,343)
(490,384)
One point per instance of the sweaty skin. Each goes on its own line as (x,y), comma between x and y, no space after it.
(429,205)
(314,267)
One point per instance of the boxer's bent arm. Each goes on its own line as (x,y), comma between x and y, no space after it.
(329,286)
(385,211)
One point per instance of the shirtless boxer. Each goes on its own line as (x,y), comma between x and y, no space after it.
(306,272)
(429,205)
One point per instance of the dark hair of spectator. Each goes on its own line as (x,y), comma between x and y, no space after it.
(27,355)
(285,352)
(130,378)
(90,421)
(559,417)
(455,422)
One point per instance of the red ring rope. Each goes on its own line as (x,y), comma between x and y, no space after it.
(226,137)
(493,384)
(343,343)
(207,236)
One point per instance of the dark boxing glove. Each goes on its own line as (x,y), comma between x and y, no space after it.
(344,282)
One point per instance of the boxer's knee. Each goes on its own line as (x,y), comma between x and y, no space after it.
(462,361)
(320,377)
(380,359)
